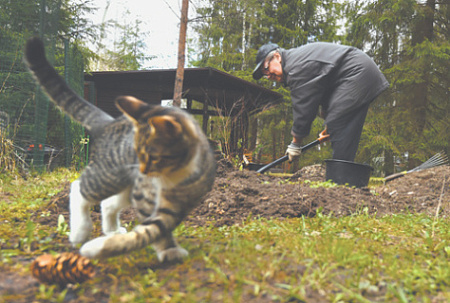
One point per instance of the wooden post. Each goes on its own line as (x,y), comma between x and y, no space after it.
(205,116)
(178,89)
(189,104)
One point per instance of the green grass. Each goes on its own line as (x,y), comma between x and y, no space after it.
(358,258)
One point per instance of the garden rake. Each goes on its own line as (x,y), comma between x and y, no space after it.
(437,160)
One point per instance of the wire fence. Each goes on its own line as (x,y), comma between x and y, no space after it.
(34,133)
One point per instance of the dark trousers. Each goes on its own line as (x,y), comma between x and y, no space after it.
(346,133)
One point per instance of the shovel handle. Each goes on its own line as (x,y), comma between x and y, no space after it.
(322,138)
(272,164)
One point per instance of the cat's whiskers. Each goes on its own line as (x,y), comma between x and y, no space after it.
(167,182)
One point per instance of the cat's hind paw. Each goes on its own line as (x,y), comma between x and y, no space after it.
(172,255)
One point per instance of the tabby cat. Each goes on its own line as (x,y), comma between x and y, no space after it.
(156,159)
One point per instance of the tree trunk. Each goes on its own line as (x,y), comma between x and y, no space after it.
(423,30)
(274,144)
(388,162)
(253,133)
(178,89)
(244,37)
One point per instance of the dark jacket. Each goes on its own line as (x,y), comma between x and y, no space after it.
(339,78)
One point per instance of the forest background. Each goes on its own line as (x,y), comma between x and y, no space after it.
(407,39)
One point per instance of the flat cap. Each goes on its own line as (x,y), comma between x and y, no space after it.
(261,56)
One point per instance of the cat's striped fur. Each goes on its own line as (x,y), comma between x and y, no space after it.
(155,158)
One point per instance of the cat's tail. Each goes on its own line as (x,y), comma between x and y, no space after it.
(60,93)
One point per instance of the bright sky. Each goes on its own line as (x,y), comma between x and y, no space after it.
(159,17)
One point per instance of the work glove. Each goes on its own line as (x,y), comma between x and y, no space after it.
(293,151)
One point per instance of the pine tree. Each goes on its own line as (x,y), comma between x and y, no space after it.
(407,39)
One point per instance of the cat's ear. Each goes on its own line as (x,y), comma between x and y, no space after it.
(166,125)
(131,107)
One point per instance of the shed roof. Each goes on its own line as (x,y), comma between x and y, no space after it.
(220,90)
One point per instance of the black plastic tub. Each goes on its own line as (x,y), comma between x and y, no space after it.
(346,172)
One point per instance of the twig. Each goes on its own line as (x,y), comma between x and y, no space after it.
(16,58)
(439,205)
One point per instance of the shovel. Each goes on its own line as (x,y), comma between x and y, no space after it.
(323,136)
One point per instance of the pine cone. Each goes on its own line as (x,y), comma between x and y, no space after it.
(62,269)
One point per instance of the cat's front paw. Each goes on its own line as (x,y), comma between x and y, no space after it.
(80,234)
(94,249)
(173,254)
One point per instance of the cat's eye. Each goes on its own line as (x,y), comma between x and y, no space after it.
(164,157)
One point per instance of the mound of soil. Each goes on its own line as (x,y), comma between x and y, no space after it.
(240,195)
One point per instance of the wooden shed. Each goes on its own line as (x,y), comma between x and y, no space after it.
(218,93)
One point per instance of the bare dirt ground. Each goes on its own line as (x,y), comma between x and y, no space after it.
(239,195)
